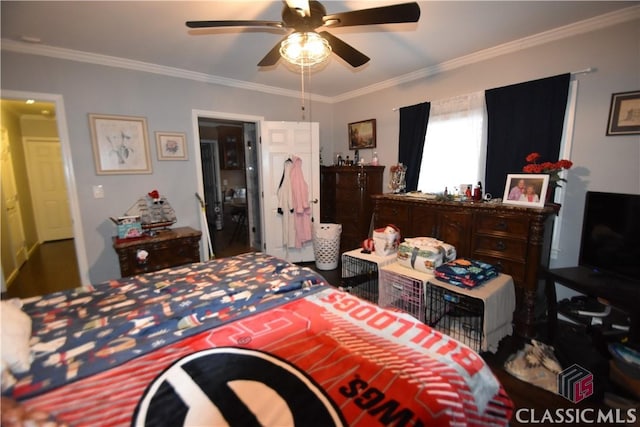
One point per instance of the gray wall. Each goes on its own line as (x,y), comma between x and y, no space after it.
(167,103)
(602,163)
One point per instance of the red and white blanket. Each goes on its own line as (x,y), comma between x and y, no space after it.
(325,359)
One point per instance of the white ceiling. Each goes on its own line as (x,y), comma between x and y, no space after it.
(155,33)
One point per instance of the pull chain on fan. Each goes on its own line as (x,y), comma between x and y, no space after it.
(302,90)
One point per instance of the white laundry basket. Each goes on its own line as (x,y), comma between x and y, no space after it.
(326,245)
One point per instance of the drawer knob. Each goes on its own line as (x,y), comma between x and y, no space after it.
(501,245)
(501,225)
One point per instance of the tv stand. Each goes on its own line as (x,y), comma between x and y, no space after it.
(620,293)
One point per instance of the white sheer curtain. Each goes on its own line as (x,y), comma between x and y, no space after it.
(455,147)
(565,153)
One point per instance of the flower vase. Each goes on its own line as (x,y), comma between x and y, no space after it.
(548,198)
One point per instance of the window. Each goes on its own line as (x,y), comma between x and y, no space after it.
(455,145)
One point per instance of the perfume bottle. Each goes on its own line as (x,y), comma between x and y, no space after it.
(374,160)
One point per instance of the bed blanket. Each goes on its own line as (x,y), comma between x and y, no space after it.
(325,359)
(77,334)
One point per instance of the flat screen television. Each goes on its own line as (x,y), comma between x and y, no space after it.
(611,234)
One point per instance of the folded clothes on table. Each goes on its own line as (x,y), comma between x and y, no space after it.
(465,272)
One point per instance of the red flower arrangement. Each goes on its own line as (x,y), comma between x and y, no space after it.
(553,169)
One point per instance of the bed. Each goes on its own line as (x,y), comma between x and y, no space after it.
(245,340)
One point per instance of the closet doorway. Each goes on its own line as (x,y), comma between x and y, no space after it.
(230,178)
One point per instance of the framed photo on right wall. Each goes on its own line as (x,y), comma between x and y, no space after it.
(624,114)
(526,189)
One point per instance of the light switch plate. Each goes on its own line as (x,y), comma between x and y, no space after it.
(98,192)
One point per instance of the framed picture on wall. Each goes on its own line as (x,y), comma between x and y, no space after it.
(527,189)
(362,134)
(171,146)
(120,144)
(624,114)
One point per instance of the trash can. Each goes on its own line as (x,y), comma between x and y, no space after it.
(326,245)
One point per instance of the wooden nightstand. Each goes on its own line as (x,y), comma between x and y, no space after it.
(168,248)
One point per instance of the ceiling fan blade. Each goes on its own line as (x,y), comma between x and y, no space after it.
(272,57)
(300,6)
(210,24)
(405,12)
(345,51)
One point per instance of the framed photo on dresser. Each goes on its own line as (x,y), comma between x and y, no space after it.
(526,189)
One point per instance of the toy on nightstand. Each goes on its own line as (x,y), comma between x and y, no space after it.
(154,211)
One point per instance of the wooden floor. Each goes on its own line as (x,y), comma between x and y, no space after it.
(233,238)
(53,268)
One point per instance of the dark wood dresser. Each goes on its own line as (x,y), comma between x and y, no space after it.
(517,240)
(345,198)
(167,248)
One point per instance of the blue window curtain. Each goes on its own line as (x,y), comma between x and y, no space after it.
(413,129)
(523,118)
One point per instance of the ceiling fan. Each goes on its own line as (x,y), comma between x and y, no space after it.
(304,17)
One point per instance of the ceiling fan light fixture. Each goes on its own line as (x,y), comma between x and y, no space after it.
(305,48)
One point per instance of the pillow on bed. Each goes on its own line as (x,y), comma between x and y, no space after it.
(16,332)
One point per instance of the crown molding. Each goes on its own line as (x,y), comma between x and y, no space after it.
(577,28)
(581,27)
(146,67)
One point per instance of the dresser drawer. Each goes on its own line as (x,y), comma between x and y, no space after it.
(502,225)
(161,255)
(500,247)
(354,180)
(396,214)
(514,269)
(169,248)
(346,200)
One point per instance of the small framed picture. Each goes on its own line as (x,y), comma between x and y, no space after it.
(171,146)
(527,189)
(624,114)
(120,144)
(362,134)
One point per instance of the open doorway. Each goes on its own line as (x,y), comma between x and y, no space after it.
(231,187)
(267,147)
(47,158)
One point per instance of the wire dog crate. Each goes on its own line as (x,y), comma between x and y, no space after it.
(402,291)
(360,273)
(477,317)
(454,314)
(459,316)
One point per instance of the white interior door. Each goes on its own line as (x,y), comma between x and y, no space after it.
(48,189)
(11,205)
(280,141)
